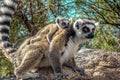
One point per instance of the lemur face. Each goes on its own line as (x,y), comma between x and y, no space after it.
(85,28)
(63,22)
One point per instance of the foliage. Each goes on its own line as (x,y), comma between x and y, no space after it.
(6,68)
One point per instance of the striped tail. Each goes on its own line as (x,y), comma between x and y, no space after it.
(6,13)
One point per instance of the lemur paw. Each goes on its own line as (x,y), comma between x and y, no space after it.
(80,70)
(61,76)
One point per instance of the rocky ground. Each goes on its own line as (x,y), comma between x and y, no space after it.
(98,65)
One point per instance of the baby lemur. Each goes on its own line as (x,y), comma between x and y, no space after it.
(50,29)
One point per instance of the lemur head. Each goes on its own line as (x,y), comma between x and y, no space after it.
(63,22)
(85,28)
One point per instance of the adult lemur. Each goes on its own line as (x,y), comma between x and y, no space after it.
(61,50)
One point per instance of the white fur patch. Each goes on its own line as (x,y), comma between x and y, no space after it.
(9,49)
(4,18)
(71,49)
(3,35)
(10,2)
(6,10)
(90,26)
(5,42)
(5,27)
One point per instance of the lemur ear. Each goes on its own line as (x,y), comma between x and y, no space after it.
(57,20)
(80,21)
(96,24)
(77,24)
(71,20)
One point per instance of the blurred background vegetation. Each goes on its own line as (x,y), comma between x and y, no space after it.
(32,15)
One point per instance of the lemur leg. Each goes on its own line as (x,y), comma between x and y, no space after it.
(71,64)
(29,61)
(56,65)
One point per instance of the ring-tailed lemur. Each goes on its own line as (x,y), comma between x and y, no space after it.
(61,50)
(6,13)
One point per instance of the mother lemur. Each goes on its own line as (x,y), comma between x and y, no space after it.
(55,50)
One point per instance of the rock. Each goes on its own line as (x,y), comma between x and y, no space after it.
(98,65)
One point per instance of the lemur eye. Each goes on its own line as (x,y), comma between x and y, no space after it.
(86,29)
(63,24)
(77,25)
(93,29)
(68,24)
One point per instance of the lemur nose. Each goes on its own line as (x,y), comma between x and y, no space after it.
(90,35)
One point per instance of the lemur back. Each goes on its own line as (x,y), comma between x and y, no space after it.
(61,23)
(6,13)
